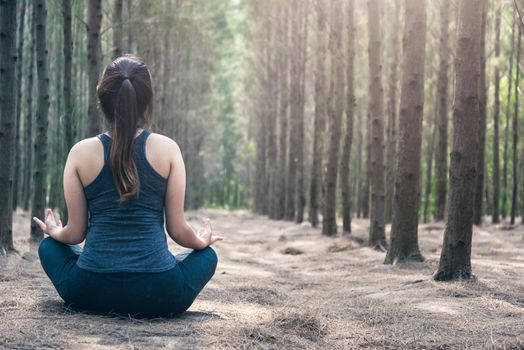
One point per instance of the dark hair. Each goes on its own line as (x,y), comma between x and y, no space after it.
(126,94)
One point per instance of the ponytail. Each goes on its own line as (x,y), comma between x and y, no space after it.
(121,157)
(125,93)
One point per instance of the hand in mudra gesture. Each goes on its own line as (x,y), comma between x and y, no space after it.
(207,235)
(51,225)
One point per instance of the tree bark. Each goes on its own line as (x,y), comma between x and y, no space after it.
(391,131)
(455,258)
(516,132)
(366,185)
(117,29)
(350,107)
(426,216)
(359,151)
(69,125)
(40,141)
(481,159)
(263,114)
(441,160)
(55,162)
(320,115)
(335,109)
(506,128)
(300,199)
(18,173)
(496,120)
(283,116)
(8,58)
(404,228)
(167,58)
(129,31)
(28,121)
(296,133)
(377,236)
(272,108)
(94,19)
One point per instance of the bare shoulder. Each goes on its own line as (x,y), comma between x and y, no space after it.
(86,148)
(161,144)
(87,158)
(163,153)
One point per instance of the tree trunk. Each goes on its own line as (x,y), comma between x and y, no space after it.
(8,58)
(263,117)
(117,29)
(272,108)
(28,121)
(441,157)
(350,107)
(481,160)
(496,120)
(320,115)
(166,93)
(404,228)
(377,236)
(455,258)
(18,173)
(300,199)
(335,109)
(55,163)
(506,128)
(294,150)
(426,216)
(516,133)
(69,125)
(40,142)
(282,116)
(94,19)
(366,186)
(129,29)
(359,174)
(391,131)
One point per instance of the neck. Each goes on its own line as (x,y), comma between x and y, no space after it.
(137,132)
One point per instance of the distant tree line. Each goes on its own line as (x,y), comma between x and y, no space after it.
(388,110)
(397,111)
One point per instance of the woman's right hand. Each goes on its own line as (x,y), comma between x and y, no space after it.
(50,225)
(207,235)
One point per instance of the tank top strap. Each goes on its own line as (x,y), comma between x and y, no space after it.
(106,142)
(140,143)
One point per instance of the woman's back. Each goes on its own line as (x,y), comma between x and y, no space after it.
(128,237)
(118,190)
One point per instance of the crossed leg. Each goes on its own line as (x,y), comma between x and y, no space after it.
(57,260)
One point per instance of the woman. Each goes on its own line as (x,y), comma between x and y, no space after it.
(126,179)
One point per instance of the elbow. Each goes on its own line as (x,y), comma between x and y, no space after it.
(175,229)
(74,235)
(74,240)
(171,232)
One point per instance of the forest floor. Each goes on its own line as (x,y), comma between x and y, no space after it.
(280,285)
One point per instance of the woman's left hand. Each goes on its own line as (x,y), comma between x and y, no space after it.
(51,226)
(207,235)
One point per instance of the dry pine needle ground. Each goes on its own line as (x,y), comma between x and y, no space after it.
(283,286)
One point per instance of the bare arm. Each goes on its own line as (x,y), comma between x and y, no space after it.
(177,227)
(75,230)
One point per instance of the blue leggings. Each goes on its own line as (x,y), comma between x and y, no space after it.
(148,294)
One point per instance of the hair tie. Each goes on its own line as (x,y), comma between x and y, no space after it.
(126,78)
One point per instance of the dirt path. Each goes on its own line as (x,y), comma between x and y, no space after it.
(281,285)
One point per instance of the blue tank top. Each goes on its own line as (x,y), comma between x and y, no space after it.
(128,238)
